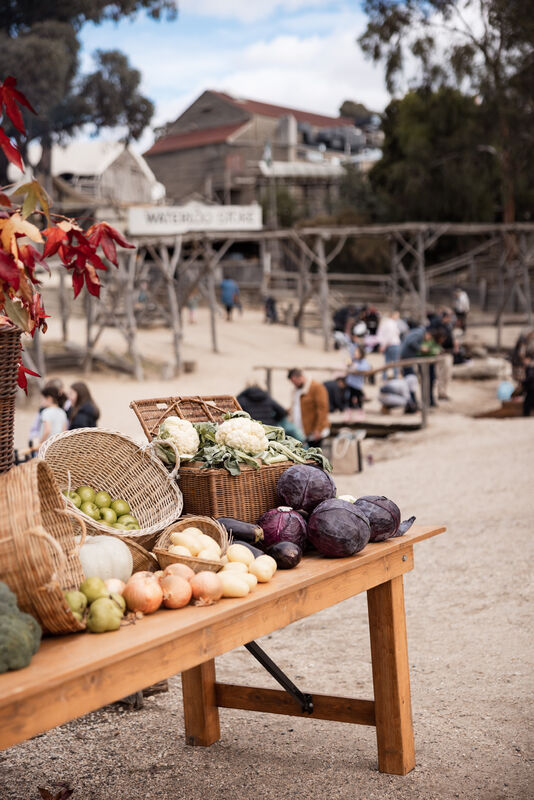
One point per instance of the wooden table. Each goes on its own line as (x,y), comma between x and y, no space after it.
(75,674)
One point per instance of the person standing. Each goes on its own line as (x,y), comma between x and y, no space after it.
(84,412)
(309,407)
(422,341)
(53,418)
(389,341)
(461,307)
(229,296)
(354,379)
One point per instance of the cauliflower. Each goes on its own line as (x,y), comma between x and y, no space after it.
(243,434)
(183,435)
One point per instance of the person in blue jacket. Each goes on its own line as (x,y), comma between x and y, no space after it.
(229,296)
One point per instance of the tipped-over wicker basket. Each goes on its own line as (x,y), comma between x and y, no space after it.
(208,526)
(38,551)
(110,461)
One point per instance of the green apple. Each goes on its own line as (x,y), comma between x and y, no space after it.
(102,500)
(120,507)
(125,519)
(86,493)
(119,526)
(104,615)
(133,526)
(108,516)
(74,496)
(91,510)
(94,588)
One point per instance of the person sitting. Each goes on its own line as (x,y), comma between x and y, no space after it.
(53,418)
(84,412)
(262,407)
(337,393)
(400,393)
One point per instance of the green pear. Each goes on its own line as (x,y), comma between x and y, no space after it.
(104,615)
(119,600)
(76,601)
(94,588)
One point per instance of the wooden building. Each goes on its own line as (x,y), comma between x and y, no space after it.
(235,151)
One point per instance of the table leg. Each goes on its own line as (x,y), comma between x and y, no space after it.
(201,715)
(391,677)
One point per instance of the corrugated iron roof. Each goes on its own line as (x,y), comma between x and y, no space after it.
(269,110)
(196,138)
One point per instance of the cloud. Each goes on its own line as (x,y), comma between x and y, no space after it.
(246,11)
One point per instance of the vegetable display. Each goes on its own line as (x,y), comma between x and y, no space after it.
(304,487)
(337,529)
(384,517)
(283,524)
(100,506)
(239,440)
(183,435)
(20,633)
(107,557)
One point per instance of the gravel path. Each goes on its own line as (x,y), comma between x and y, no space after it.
(470,648)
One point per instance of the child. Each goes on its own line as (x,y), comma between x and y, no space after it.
(354,382)
(53,418)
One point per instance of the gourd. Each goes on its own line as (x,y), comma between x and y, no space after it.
(106,557)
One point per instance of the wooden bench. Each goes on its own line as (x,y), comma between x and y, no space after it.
(75,674)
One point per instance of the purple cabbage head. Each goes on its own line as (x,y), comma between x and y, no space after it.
(337,529)
(304,487)
(384,517)
(282,524)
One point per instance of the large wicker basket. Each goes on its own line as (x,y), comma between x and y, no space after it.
(213,492)
(38,551)
(113,462)
(208,526)
(9,362)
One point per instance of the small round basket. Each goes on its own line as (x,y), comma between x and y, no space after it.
(207,525)
(143,561)
(111,461)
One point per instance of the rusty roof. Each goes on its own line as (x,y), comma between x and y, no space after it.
(269,110)
(195,138)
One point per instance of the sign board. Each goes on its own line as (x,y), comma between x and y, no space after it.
(170,220)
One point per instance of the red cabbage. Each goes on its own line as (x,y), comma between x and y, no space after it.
(337,529)
(282,524)
(304,487)
(384,517)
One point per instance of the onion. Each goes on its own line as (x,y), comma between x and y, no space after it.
(176,591)
(179,569)
(115,585)
(207,588)
(143,594)
(144,574)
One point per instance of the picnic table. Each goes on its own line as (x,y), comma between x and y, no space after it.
(72,675)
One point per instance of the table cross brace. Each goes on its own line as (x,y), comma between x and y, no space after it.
(305,700)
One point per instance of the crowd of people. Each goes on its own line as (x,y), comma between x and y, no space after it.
(61,411)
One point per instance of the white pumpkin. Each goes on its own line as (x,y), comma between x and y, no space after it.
(106,557)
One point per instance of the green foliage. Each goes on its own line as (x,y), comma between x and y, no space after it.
(356,111)
(489,53)
(435,165)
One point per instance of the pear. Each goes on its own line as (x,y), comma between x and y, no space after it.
(76,601)
(119,600)
(104,615)
(93,588)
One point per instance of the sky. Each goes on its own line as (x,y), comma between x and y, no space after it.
(300,53)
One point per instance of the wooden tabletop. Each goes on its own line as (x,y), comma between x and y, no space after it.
(87,671)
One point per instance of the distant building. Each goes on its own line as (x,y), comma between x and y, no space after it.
(235,151)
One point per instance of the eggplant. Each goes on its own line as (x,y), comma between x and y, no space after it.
(244,531)
(256,552)
(286,554)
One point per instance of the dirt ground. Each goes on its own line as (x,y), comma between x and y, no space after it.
(469,618)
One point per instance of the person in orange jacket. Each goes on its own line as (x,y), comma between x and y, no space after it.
(309,407)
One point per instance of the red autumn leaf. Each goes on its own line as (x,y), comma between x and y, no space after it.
(5,200)
(10,96)
(21,375)
(77,282)
(9,272)
(37,313)
(55,236)
(104,235)
(10,151)
(29,257)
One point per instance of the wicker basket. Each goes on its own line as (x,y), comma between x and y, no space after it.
(143,561)
(109,460)
(38,552)
(207,525)
(9,361)
(214,492)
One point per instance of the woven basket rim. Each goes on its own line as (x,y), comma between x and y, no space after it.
(189,561)
(190,466)
(140,450)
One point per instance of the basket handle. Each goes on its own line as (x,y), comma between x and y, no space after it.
(81,522)
(41,533)
(152,446)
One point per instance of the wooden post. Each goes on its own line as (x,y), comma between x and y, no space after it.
(210,268)
(130,314)
(524,256)
(424,380)
(201,715)
(326,321)
(395,299)
(169,267)
(38,352)
(421,277)
(88,359)
(391,678)
(63,307)
(304,280)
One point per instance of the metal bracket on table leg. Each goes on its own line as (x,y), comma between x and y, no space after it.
(305,700)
